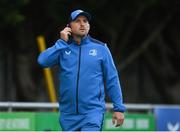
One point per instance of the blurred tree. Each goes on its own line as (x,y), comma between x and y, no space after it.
(10,12)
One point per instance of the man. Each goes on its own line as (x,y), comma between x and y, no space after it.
(85,64)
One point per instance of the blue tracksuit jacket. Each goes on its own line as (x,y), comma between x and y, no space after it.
(83,70)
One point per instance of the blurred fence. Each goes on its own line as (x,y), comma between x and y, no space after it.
(47,105)
(139,117)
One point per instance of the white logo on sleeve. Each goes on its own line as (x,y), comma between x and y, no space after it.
(68,52)
(93,52)
(173,128)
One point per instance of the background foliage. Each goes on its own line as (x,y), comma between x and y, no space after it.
(143,36)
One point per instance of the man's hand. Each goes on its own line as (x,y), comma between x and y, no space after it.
(118,118)
(64,34)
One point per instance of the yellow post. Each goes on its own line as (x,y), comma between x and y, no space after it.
(47,72)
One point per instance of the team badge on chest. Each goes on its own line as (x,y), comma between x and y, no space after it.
(93,52)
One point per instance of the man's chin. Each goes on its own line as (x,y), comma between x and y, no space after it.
(81,35)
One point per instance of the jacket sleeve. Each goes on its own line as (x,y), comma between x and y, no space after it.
(113,87)
(50,56)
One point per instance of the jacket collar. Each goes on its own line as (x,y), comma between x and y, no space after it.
(84,40)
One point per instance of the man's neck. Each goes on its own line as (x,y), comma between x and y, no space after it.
(78,39)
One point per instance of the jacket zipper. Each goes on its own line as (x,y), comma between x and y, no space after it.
(99,95)
(77,86)
(99,92)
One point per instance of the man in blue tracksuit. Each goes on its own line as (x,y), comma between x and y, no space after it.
(85,64)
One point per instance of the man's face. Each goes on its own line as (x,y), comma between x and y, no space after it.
(80,27)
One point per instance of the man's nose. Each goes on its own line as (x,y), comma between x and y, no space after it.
(82,23)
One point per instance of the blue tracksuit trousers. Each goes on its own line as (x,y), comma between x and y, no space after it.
(92,121)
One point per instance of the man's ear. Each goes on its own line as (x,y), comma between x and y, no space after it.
(89,26)
(68,25)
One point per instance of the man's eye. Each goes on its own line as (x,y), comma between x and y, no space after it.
(85,21)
